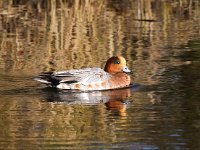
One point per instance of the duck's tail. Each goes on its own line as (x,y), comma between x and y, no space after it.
(48,79)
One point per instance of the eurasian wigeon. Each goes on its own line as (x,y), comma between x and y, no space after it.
(114,76)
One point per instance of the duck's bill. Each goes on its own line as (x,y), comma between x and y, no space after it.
(126,70)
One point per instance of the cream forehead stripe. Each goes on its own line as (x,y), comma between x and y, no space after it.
(122,60)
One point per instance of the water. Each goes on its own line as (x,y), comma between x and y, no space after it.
(159,39)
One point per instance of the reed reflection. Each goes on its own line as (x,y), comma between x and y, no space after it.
(43,35)
(53,35)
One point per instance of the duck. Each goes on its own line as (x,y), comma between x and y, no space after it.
(115,75)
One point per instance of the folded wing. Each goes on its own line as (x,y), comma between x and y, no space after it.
(83,76)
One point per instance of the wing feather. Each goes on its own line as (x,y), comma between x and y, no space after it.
(84,76)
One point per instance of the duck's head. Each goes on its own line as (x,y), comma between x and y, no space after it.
(116,64)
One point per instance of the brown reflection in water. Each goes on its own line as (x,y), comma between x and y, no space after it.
(53,35)
(64,118)
(118,100)
(117,105)
(44,35)
(113,99)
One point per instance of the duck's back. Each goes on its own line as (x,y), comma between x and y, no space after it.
(80,79)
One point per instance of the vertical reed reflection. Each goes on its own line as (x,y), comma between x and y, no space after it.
(52,35)
(43,35)
(65,123)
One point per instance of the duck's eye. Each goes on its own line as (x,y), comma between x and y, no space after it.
(116,62)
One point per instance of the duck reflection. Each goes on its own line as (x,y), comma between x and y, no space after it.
(114,100)
(117,105)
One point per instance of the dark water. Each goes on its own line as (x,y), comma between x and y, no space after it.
(159,39)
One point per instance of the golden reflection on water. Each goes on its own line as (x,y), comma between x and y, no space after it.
(52,35)
(41,35)
(67,118)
